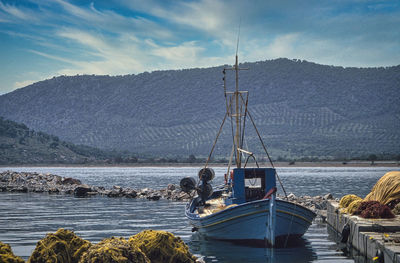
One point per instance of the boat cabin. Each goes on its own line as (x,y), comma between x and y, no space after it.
(247,184)
(250,184)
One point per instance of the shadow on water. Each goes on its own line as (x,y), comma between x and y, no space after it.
(223,251)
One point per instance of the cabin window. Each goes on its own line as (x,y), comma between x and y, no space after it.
(252,182)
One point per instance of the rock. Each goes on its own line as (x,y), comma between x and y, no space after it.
(6,254)
(53,190)
(162,246)
(62,246)
(38,190)
(321,205)
(154,197)
(117,188)
(328,196)
(69,191)
(70,180)
(143,192)
(130,193)
(116,191)
(55,179)
(21,189)
(291,196)
(104,192)
(115,250)
(171,187)
(82,190)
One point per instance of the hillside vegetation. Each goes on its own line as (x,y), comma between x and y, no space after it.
(301,109)
(21,145)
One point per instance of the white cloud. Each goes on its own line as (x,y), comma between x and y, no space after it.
(116,57)
(156,35)
(185,51)
(24,83)
(14,11)
(58,58)
(113,22)
(283,46)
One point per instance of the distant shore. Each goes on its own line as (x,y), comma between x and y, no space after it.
(276,164)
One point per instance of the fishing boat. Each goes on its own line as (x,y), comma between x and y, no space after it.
(245,209)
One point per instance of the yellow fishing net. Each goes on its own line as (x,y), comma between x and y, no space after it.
(162,247)
(60,247)
(114,250)
(346,200)
(7,256)
(386,189)
(353,206)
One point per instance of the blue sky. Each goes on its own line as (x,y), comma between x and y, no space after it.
(40,39)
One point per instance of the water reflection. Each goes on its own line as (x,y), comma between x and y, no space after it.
(346,249)
(222,251)
(26,218)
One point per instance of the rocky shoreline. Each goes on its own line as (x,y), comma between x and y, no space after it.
(54,184)
(25,182)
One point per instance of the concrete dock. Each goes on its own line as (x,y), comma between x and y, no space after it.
(371,237)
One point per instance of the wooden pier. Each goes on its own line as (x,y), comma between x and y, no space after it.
(377,239)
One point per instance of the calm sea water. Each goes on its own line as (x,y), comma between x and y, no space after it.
(25,218)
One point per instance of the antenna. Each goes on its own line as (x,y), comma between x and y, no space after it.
(237,43)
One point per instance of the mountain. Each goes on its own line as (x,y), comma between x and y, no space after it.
(300,108)
(21,145)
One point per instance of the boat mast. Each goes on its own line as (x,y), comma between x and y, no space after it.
(237,116)
(237,112)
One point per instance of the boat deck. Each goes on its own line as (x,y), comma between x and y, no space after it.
(213,206)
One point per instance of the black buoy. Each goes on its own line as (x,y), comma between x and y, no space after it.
(188,184)
(206,174)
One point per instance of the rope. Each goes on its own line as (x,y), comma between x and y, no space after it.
(215,142)
(265,149)
(230,161)
(233,137)
(244,119)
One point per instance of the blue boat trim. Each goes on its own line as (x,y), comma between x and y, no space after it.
(292,214)
(232,218)
(252,213)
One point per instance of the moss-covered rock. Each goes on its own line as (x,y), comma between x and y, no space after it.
(114,250)
(162,247)
(61,247)
(7,256)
